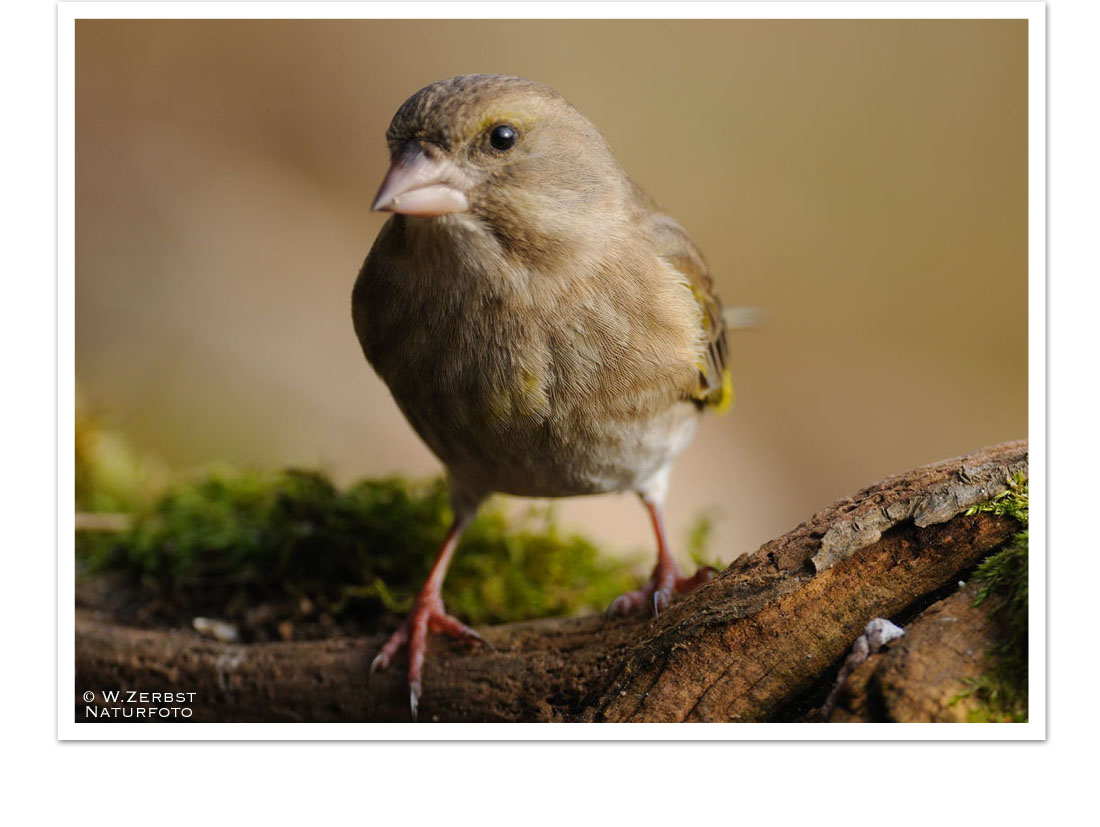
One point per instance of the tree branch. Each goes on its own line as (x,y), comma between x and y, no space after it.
(755,644)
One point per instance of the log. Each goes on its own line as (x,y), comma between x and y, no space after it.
(761,642)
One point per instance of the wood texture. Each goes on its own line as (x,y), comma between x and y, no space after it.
(758,643)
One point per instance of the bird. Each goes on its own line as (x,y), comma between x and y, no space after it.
(544,326)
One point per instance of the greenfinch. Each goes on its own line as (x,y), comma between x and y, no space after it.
(544,327)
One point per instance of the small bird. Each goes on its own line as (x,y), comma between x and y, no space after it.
(545,328)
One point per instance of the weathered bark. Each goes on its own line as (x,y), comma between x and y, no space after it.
(923,677)
(758,643)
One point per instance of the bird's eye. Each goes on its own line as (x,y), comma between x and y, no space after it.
(502,138)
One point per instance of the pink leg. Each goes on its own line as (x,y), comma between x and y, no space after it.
(666,580)
(427,615)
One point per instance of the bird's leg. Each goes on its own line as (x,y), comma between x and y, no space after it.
(427,615)
(667,578)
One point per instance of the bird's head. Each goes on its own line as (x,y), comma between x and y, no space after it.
(509,154)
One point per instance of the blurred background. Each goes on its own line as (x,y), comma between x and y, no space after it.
(863,183)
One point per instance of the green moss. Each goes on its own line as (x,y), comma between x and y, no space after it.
(1002,692)
(1012,502)
(231,541)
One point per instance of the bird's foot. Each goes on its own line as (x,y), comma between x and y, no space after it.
(657,594)
(427,615)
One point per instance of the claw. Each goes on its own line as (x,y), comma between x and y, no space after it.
(657,594)
(661,600)
(385,654)
(470,633)
(619,606)
(448,625)
(414,699)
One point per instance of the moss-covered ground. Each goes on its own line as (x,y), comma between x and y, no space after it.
(1003,691)
(289,554)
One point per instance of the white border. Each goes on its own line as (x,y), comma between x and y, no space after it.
(1033,12)
(1037,369)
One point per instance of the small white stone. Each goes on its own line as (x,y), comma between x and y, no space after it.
(217,629)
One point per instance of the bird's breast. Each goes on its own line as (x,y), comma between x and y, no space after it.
(518,391)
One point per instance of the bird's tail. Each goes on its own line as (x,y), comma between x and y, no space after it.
(743,318)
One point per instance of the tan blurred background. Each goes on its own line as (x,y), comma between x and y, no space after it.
(863,182)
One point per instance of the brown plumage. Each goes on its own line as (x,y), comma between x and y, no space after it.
(544,327)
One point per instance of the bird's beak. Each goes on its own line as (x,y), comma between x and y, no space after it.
(422,184)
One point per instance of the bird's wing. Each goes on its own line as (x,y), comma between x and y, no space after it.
(679,251)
